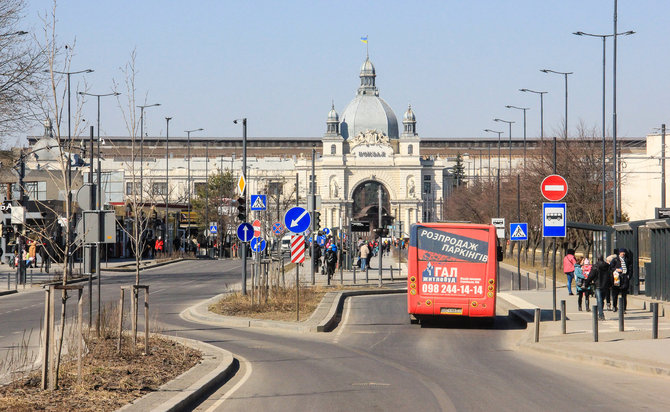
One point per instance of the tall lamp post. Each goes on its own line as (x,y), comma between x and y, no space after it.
(69,164)
(166,243)
(188,179)
(142,107)
(99,204)
(499,133)
(541,117)
(510,142)
(524,131)
(565,76)
(604,38)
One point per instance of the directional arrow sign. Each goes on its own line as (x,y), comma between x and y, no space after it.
(297,219)
(245,232)
(258,244)
(554,188)
(321,240)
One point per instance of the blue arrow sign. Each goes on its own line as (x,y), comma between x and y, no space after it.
(554,219)
(245,232)
(258,202)
(258,244)
(297,219)
(519,231)
(320,240)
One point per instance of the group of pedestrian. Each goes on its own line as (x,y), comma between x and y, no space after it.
(608,279)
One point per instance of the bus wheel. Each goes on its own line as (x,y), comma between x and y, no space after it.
(413,320)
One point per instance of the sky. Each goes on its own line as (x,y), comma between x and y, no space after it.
(282,63)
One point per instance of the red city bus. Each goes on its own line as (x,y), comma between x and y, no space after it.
(452,270)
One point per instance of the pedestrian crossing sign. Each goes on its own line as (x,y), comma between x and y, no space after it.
(519,231)
(258,202)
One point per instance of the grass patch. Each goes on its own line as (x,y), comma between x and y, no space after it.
(109,382)
(280,304)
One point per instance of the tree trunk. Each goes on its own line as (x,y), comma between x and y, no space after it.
(60,338)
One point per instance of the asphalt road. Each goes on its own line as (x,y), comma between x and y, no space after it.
(375,359)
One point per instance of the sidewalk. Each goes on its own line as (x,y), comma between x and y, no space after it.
(633,349)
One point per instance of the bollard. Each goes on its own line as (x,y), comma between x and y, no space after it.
(391,272)
(354,274)
(31,278)
(527,280)
(654,320)
(367,278)
(8,275)
(594,317)
(538,313)
(537,280)
(563,318)
(545,280)
(620,314)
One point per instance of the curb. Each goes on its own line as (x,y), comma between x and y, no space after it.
(324,318)
(216,367)
(155,265)
(624,364)
(8,292)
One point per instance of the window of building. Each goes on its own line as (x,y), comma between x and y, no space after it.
(410,149)
(130,186)
(33,190)
(427,186)
(333,149)
(159,188)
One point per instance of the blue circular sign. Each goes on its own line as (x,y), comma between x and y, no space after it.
(245,232)
(326,231)
(258,244)
(297,219)
(277,228)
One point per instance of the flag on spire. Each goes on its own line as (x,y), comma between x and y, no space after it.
(364,39)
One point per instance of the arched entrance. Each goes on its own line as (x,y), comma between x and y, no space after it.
(365,205)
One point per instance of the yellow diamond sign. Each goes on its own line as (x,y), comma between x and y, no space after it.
(241,183)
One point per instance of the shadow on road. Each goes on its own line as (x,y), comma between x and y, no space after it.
(460,322)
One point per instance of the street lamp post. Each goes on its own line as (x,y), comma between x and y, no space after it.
(604,38)
(541,143)
(244,196)
(69,164)
(99,205)
(565,75)
(498,201)
(142,107)
(166,243)
(541,118)
(524,131)
(188,179)
(510,141)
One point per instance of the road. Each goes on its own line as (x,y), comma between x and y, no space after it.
(375,359)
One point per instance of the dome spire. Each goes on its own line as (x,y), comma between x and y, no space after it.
(333,122)
(368,76)
(409,123)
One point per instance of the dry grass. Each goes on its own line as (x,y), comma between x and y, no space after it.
(110,380)
(280,304)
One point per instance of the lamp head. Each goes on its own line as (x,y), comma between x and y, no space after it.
(544,70)
(578,33)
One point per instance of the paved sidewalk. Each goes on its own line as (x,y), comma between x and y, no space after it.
(633,349)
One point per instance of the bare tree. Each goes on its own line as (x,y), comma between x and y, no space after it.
(22,63)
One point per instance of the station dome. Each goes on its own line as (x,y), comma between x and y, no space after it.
(367,110)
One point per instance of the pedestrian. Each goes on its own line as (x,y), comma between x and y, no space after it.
(331,261)
(159,246)
(45,258)
(608,294)
(569,268)
(580,284)
(620,279)
(599,277)
(32,254)
(364,253)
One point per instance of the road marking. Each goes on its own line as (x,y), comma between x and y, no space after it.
(232,390)
(343,324)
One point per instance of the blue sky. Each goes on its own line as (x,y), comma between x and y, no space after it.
(280,63)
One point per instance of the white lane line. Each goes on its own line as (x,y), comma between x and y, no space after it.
(343,324)
(232,390)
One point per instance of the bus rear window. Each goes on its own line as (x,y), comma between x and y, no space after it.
(452,245)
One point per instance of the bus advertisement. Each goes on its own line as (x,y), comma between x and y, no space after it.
(452,270)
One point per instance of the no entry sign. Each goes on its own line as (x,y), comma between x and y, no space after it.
(554,188)
(297,249)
